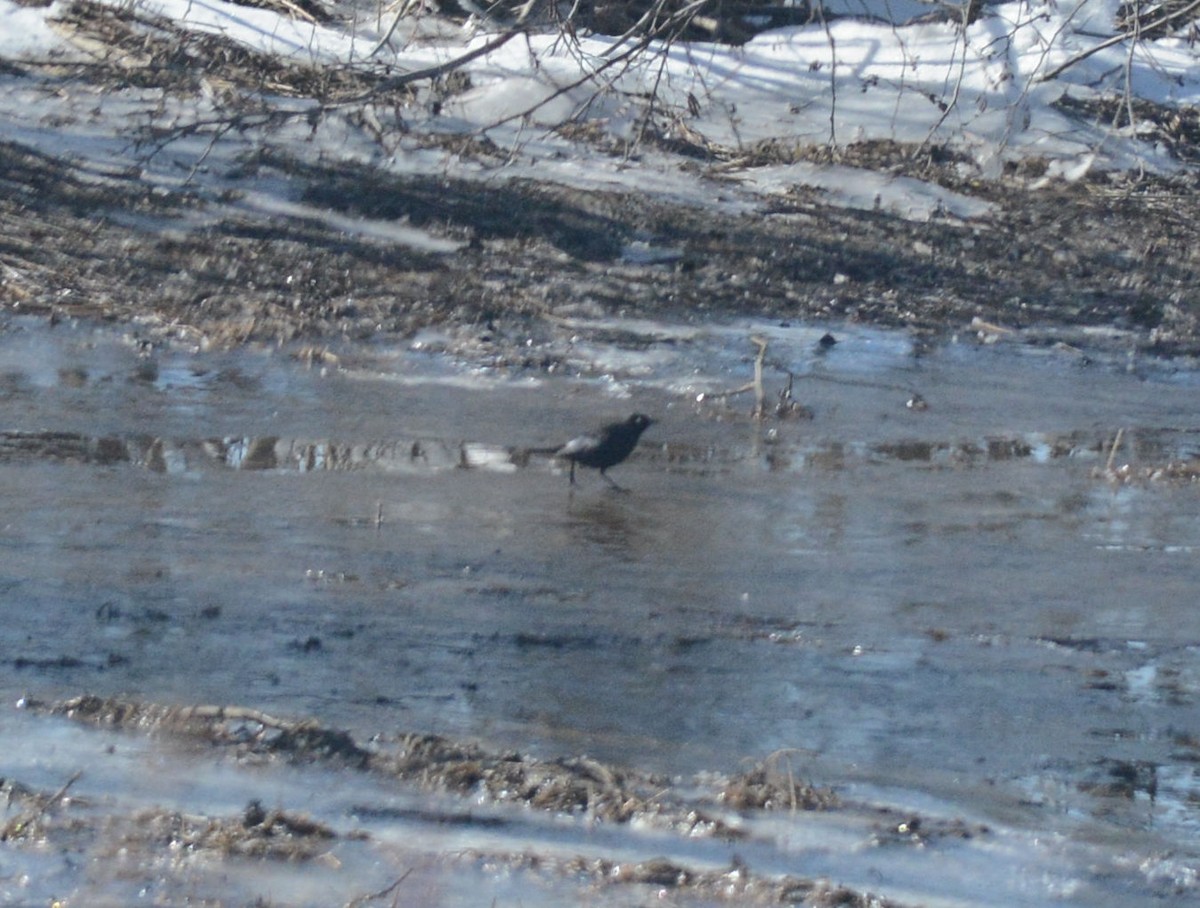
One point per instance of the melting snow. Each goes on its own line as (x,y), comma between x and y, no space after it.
(989,93)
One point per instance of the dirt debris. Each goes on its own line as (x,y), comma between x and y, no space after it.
(772,785)
(130,48)
(578,786)
(256,833)
(737,885)
(1108,249)
(1118,253)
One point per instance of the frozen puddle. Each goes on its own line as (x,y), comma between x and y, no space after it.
(979,615)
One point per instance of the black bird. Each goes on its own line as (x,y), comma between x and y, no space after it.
(606,447)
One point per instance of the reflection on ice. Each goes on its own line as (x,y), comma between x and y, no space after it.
(430,455)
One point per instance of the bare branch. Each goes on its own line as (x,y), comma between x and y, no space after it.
(1182,13)
(430,72)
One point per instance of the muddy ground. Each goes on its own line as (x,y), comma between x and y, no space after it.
(1116,251)
(578,786)
(571,786)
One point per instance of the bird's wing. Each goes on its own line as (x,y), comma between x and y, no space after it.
(578,445)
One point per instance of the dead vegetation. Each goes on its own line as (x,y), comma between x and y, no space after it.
(738,885)
(1131,463)
(131,49)
(576,786)
(1111,254)
(774,785)
(36,811)
(1107,250)
(257,833)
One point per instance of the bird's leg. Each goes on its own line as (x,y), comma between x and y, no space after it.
(572,472)
(612,482)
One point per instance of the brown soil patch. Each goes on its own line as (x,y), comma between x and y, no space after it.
(1122,254)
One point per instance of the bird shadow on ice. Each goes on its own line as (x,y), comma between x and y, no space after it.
(604,518)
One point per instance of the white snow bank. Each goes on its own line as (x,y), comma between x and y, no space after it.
(983,93)
(24,32)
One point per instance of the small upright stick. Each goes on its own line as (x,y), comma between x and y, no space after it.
(1112,452)
(759,396)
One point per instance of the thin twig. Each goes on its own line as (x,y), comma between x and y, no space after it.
(947,107)
(625,57)
(1112,452)
(363,899)
(759,395)
(1117,39)
(430,72)
(832,75)
(19,824)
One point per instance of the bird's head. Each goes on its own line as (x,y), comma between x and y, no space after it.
(640,421)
